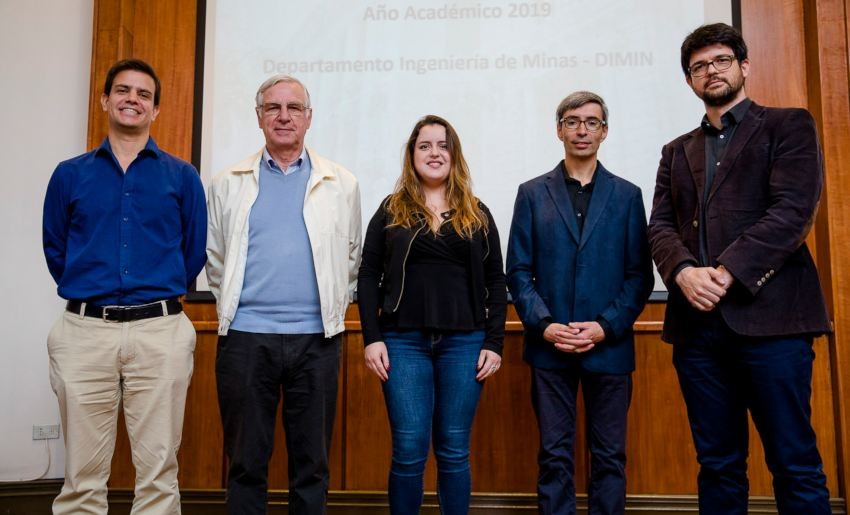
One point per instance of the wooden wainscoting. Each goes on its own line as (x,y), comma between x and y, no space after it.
(504,442)
(661,467)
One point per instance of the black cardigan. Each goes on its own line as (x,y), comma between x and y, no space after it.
(379,282)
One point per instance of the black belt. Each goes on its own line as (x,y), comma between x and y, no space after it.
(126,313)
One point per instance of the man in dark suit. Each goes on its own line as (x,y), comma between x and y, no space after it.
(734,201)
(580,273)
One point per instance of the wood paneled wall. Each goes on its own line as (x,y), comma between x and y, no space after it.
(828,73)
(162,32)
(798,51)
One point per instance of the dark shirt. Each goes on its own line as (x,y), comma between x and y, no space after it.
(436,286)
(579,195)
(382,279)
(116,238)
(716,143)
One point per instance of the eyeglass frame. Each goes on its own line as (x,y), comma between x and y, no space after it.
(602,123)
(300,110)
(712,62)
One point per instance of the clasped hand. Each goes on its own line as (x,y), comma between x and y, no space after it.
(575,337)
(704,286)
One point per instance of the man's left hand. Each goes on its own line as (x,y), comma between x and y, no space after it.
(590,330)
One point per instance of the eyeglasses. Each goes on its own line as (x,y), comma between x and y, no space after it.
(294,110)
(721,63)
(591,124)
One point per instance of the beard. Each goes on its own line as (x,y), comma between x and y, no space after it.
(724,95)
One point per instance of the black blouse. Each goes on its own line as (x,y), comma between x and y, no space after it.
(411,279)
(436,289)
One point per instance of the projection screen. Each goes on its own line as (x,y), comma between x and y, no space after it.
(495,69)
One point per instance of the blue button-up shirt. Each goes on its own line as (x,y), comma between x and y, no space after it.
(116,238)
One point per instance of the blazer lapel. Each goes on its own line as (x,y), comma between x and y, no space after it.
(602,189)
(695,155)
(557,187)
(748,126)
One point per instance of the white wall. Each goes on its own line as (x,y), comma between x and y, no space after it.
(45,53)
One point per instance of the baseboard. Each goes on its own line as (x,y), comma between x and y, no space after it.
(36,497)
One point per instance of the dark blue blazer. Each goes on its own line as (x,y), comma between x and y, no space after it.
(554,272)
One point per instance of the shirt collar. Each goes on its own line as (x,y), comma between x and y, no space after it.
(295,165)
(150,149)
(739,110)
(731,117)
(569,179)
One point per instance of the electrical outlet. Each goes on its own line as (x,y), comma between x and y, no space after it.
(45,432)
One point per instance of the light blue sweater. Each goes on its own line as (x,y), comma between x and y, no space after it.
(279,294)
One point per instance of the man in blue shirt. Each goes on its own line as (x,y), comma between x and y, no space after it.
(124,233)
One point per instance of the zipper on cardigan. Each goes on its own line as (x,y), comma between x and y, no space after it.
(486,291)
(403,264)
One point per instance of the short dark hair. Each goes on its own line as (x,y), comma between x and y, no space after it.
(712,34)
(578,99)
(132,64)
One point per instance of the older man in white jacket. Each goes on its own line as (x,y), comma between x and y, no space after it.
(283,253)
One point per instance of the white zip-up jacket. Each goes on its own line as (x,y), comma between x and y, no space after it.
(332,217)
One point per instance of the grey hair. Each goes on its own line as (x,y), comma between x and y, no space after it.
(277,79)
(578,99)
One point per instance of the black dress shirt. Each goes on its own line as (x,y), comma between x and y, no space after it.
(579,195)
(716,143)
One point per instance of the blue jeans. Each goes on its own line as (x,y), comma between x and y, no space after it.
(431,384)
(723,375)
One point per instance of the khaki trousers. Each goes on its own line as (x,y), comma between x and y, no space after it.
(96,366)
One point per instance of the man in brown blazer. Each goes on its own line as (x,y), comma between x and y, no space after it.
(734,201)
